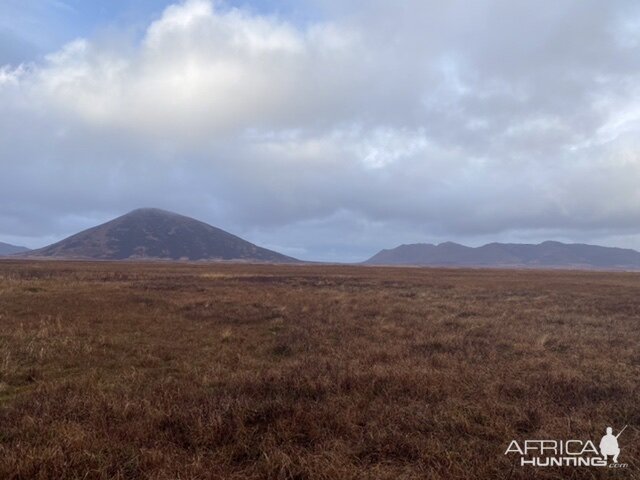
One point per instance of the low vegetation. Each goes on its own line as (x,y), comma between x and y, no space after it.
(178,371)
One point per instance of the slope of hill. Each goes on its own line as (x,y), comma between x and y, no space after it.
(150,233)
(7,249)
(546,254)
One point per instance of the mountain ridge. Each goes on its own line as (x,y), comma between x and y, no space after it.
(546,254)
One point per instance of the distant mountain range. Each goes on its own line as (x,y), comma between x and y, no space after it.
(150,233)
(546,254)
(7,249)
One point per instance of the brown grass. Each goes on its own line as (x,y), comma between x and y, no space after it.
(167,371)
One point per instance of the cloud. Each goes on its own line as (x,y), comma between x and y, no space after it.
(379,124)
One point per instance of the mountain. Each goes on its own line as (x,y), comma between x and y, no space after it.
(546,254)
(150,233)
(6,249)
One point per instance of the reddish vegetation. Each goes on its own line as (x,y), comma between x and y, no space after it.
(176,371)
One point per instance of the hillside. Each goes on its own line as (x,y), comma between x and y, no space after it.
(151,233)
(8,249)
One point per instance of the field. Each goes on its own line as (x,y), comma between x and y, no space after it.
(177,371)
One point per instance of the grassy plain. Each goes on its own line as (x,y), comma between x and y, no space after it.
(178,371)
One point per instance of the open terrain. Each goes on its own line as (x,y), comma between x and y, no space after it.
(183,371)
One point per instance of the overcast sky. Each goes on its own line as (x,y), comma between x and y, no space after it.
(326,129)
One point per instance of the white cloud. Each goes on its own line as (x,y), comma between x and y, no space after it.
(198,72)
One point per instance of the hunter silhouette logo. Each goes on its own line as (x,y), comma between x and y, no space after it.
(569,453)
(609,444)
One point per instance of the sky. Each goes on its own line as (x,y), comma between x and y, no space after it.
(324,129)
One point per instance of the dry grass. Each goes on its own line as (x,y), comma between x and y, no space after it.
(261,372)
